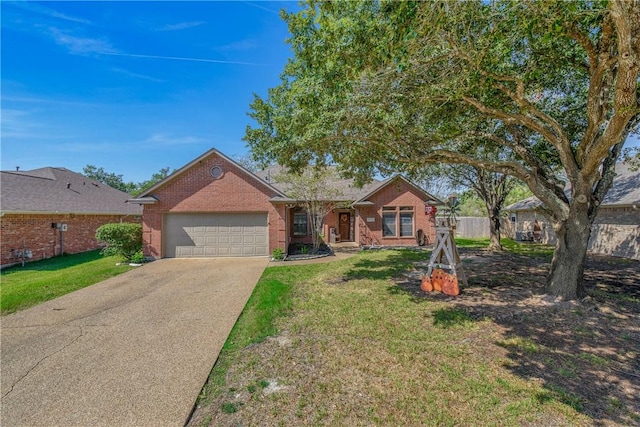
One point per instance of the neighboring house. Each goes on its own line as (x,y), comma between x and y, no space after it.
(48,211)
(615,231)
(215,207)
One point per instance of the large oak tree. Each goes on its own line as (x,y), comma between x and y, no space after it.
(391,86)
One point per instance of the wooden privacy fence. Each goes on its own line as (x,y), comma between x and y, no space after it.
(470,227)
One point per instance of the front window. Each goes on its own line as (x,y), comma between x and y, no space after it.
(300,224)
(406,221)
(389,221)
(397,221)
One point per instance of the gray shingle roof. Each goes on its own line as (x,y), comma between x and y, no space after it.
(345,187)
(625,191)
(59,190)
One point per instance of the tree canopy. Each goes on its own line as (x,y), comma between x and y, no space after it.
(117,181)
(391,86)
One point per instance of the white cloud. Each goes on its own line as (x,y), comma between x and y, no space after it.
(180,58)
(19,126)
(43,10)
(259,6)
(81,45)
(180,26)
(136,75)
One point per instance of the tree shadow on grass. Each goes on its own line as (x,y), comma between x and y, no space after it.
(585,353)
(389,267)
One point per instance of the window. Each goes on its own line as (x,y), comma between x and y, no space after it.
(388,221)
(406,221)
(397,221)
(300,223)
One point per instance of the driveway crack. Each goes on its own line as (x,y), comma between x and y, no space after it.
(42,360)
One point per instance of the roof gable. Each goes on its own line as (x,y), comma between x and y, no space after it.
(382,185)
(345,187)
(59,190)
(195,162)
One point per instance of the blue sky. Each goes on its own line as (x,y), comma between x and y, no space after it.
(133,86)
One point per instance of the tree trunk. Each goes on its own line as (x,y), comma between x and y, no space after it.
(565,279)
(494,228)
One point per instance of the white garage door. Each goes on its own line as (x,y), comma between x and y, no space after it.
(211,235)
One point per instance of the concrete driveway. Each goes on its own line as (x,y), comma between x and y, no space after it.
(134,350)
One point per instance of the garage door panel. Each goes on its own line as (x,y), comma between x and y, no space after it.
(210,235)
(212,251)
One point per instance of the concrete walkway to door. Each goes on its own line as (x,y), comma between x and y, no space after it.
(134,350)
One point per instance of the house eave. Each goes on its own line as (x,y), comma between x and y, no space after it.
(363,203)
(276,200)
(150,200)
(5,212)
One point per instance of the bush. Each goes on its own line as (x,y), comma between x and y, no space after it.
(277,254)
(138,258)
(123,239)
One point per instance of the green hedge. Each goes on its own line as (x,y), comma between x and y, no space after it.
(123,239)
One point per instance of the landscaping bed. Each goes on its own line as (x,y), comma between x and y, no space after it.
(300,251)
(361,344)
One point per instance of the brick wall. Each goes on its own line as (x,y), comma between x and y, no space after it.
(34,232)
(398,193)
(195,190)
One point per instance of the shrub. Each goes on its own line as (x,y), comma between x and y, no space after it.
(138,258)
(123,239)
(277,254)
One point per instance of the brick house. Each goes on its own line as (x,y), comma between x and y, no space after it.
(215,207)
(48,211)
(615,231)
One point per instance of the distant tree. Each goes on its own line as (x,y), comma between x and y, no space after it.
(489,188)
(116,181)
(155,178)
(110,179)
(248,162)
(312,189)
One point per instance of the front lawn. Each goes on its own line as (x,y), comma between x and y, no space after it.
(357,343)
(40,281)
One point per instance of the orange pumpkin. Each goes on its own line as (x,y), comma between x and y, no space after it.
(450,286)
(437,279)
(426,284)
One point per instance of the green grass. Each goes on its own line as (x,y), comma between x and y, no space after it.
(361,351)
(270,300)
(509,245)
(40,281)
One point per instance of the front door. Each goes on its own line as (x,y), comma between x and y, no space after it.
(344,226)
